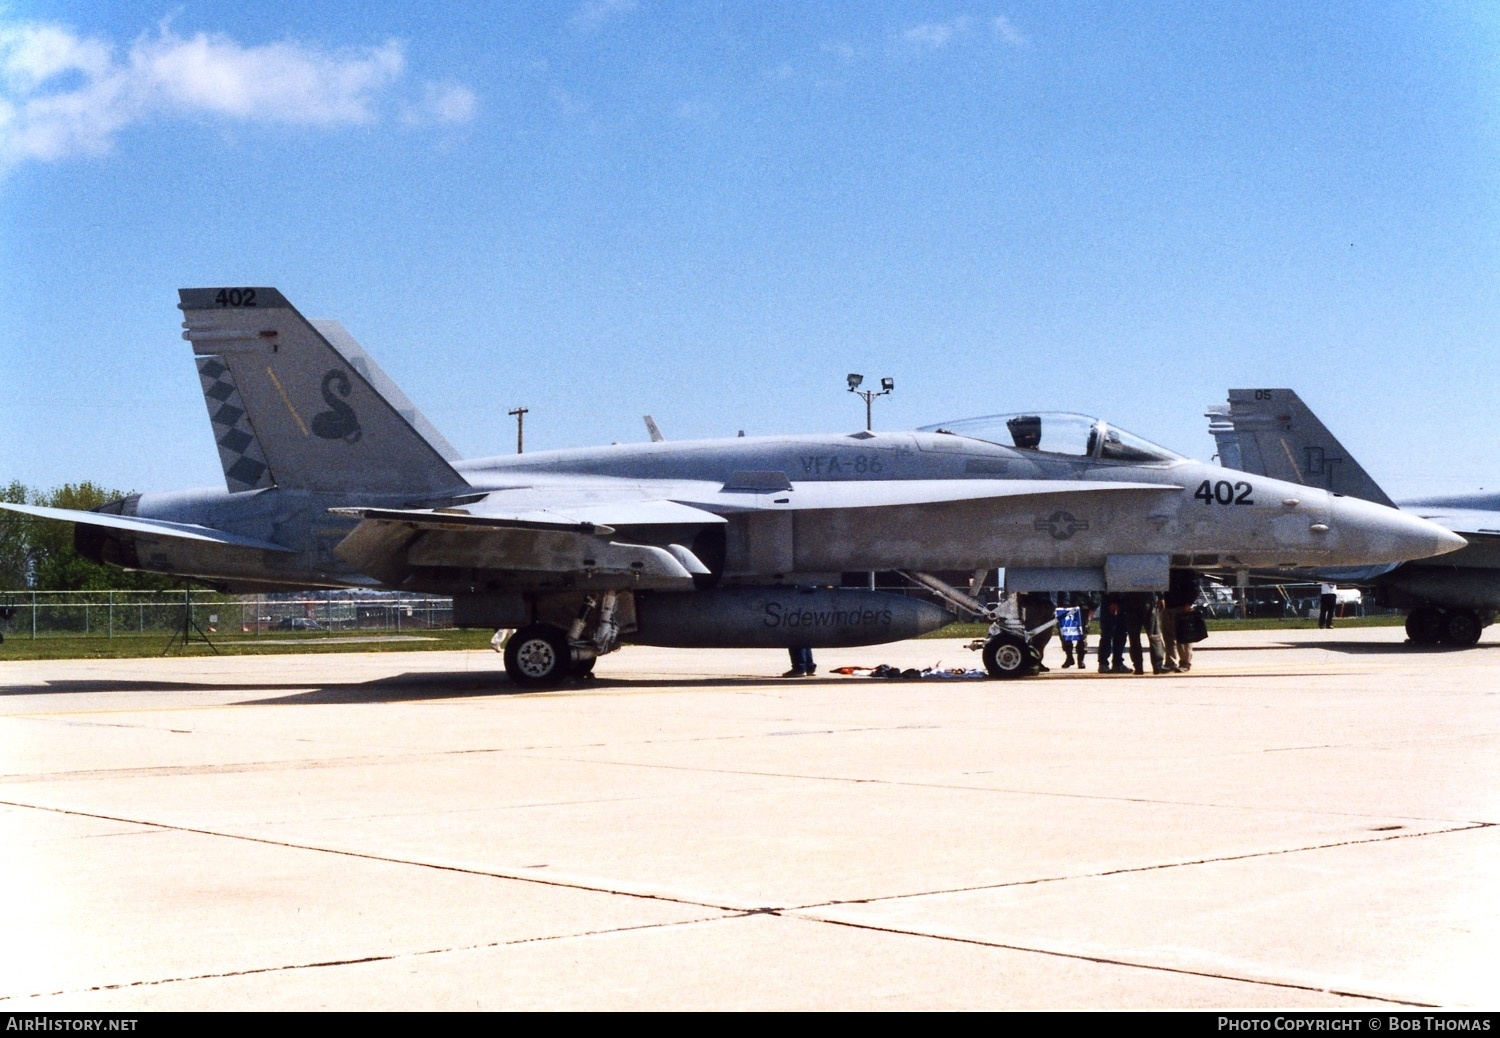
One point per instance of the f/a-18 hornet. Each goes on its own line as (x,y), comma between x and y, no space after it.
(1272,432)
(334,480)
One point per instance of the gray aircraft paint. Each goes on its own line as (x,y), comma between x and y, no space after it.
(774,618)
(364,493)
(316,419)
(1272,432)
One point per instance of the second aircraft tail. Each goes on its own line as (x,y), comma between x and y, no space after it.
(1271,432)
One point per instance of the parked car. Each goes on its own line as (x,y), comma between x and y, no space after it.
(298,623)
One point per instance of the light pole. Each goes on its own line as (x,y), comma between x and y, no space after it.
(855,381)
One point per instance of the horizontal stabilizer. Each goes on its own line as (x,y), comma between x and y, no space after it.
(152,527)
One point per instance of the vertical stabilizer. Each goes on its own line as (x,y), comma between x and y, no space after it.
(298,404)
(1271,432)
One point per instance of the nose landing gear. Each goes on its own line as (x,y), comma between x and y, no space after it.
(1009,655)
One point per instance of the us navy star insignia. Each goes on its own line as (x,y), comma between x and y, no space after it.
(1061,525)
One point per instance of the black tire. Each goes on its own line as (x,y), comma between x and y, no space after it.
(584,667)
(1462,629)
(538,656)
(1009,655)
(1424,626)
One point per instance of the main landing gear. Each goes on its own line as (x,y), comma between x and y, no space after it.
(538,656)
(545,655)
(1428,625)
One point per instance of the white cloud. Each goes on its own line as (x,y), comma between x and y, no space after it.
(33,54)
(936,34)
(278,82)
(1006,30)
(445,103)
(62,94)
(568,102)
(592,15)
(697,111)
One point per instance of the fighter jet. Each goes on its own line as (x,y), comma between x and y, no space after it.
(1271,432)
(334,479)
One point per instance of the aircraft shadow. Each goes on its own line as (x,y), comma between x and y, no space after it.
(467,684)
(1361,648)
(416,686)
(135,685)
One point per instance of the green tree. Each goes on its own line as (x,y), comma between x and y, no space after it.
(38,553)
(15,539)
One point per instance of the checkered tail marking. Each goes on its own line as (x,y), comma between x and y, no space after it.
(244,462)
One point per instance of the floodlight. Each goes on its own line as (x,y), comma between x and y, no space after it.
(854,381)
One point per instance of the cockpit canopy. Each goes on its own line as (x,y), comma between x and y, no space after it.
(1074,435)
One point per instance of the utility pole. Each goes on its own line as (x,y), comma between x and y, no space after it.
(520,417)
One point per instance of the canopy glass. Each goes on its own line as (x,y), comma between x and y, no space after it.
(1075,435)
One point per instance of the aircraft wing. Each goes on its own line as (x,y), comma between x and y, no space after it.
(152,527)
(1468,522)
(517,531)
(499,510)
(566,540)
(895,493)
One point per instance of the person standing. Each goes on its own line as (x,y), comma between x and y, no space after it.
(1182,592)
(1069,631)
(802,662)
(1112,635)
(1328,601)
(1036,610)
(1140,615)
(1074,611)
(1166,623)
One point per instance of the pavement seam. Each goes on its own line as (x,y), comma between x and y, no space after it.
(365,856)
(1102,960)
(1035,881)
(1010,791)
(391,957)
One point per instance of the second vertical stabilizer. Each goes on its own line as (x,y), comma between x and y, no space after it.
(1271,432)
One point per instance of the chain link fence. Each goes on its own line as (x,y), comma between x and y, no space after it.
(110,614)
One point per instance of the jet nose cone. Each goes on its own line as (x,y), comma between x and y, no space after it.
(1448,541)
(1376,534)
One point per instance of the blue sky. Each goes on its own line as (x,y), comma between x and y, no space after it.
(711,212)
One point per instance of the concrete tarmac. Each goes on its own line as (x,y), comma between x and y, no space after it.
(1308,819)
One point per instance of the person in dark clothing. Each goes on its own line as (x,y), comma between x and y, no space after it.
(1140,612)
(1079,643)
(802,662)
(1182,593)
(1037,609)
(1112,635)
(1328,601)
